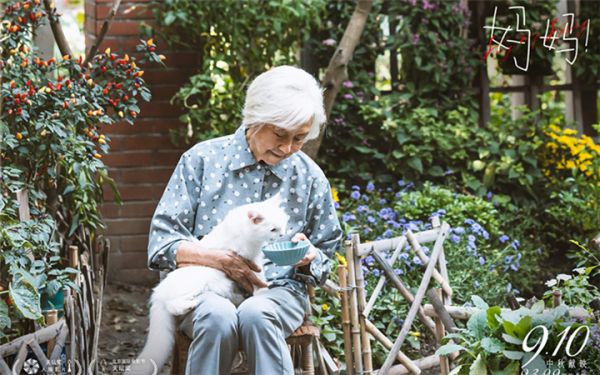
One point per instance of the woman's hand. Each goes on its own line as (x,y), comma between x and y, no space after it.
(237,268)
(310,254)
(241,270)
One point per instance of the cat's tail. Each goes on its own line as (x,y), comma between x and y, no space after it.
(159,344)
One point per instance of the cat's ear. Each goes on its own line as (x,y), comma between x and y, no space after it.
(255,217)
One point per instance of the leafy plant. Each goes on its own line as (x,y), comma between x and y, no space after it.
(505,342)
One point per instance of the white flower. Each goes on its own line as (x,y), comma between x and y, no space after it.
(551,283)
(563,277)
(580,270)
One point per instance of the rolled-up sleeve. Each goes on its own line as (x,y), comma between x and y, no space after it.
(173,220)
(323,230)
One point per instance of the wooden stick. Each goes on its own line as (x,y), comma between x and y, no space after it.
(39,353)
(73,260)
(358,364)
(412,313)
(51,318)
(440,310)
(103,30)
(381,281)
(432,294)
(57,31)
(427,321)
(24,214)
(391,243)
(361,299)
(4,369)
(464,313)
(444,271)
(20,358)
(343,277)
(60,342)
(425,259)
(42,335)
(422,363)
(387,343)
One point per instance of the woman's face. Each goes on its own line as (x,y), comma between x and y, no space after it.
(272,144)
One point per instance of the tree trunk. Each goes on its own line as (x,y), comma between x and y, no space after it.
(336,71)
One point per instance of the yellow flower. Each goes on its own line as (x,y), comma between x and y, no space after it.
(325,307)
(415,333)
(341,259)
(334,194)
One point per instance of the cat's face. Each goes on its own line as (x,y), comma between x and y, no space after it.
(268,220)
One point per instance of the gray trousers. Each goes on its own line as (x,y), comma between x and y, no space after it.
(258,326)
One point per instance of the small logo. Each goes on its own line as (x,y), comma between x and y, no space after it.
(31,366)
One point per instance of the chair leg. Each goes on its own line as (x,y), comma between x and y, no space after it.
(308,367)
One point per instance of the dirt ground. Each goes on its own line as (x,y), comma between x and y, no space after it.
(124,326)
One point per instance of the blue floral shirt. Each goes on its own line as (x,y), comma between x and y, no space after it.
(219,174)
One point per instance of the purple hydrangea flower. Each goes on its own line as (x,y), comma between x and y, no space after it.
(348,84)
(348,96)
(454,238)
(370,187)
(481,261)
(503,238)
(355,195)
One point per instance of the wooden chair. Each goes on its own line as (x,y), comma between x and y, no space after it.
(301,343)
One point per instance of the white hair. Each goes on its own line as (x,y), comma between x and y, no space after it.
(286,97)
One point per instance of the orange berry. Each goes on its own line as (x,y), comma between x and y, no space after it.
(19,136)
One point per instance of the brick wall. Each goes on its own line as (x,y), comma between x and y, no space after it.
(142,157)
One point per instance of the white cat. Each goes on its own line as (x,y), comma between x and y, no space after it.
(245,230)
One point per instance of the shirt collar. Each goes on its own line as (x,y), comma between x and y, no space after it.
(242,157)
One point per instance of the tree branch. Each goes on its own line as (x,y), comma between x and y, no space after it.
(57,31)
(336,71)
(103,30)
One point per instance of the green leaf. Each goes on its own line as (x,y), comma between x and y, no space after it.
(492,315)
(514,355)
(512,369)
(523,327)
(449,349)
(4,317)
(479,302)
(492,345)
(415,163)
(538,307)
(478,367)
(26,299)
(512,339)
(456,370)
(477,324)
(537,364)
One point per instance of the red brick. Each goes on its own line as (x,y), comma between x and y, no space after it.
(160,109)
(168,75)
(157,175)
(125,12)
(141,142)
(137,243)
(142,276)
(164,92)
(142,158)
(137,192)
(127,226)
(121,28)
(145,126)
(129,209)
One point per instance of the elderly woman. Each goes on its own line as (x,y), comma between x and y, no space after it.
(283,109)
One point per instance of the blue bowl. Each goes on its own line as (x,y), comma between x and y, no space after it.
(286,253)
